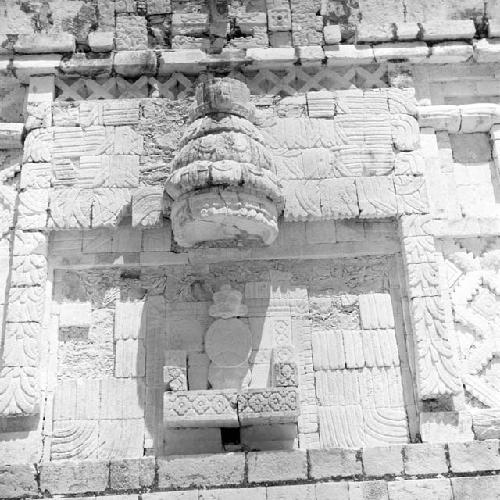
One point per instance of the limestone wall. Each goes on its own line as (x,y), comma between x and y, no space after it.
(456,471)
(377,122)
(237,24)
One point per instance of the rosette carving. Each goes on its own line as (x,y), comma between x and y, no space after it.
(223,182)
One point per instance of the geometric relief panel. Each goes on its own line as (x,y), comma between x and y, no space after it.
(118,329)
(473,279)
(357,367)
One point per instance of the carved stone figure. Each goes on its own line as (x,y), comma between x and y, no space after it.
(224,184)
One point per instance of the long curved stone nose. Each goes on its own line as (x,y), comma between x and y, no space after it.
(223,182)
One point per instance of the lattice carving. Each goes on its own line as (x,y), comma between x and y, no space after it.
(288,81)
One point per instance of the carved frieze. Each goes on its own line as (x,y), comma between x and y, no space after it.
(223,183)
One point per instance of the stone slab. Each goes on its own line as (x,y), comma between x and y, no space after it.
(201,471)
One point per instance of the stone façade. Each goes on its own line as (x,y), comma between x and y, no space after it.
(355,165)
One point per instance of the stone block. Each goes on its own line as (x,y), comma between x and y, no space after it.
(448,30)
(411,195)
(424,458)
(346,55)
(321,104)
(172,495)
(36,175)
(120,112)
(43,64)
(376,197)
(131,33)
(77,314)
(101,41)
(450,53)
(338,199)
(333,490)
(125,397)
(270,57)
(335,462)
(469,488)
(474,456)
(411,52)
(87,64)
(130,358)
(225,469)
(284,373)
(486,50)
(332,34)
(134,63)
(229,493)
(440,117)
(312,55)
(132,473)
(420,489)
(382,460)
(486,424)
(45,43)
(147,207)
(17,481)
(375,310)
(279,19)
(190,61)
(121,438)
(368,490)
(407,31)
(200,409)
(291,492)
(277,466)
(368,32)
(175,371)
(69,477)
(268,406)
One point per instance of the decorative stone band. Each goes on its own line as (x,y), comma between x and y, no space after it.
(223,181)
(134,63)
(200,409)
(229,408)
(394,472)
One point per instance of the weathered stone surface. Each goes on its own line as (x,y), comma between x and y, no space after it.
(474,456)
(201,471)
(485,487)
(425,458)
(200,409)
(333,463)
(277,466)
(17,481)
(129,474)
(74,477)
(486,424)
(382,460)
(420,489)
(268,406)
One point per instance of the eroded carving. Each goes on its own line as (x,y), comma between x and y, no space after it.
(224,183)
